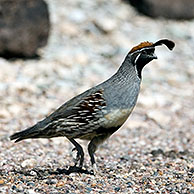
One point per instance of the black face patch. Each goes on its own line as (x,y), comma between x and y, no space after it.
(142,58)
(148,51)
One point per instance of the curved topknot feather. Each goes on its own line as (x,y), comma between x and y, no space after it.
(170,44)
(140,46)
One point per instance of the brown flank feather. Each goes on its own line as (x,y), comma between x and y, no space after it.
(140,46)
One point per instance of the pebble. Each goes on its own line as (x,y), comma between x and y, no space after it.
(33,173)
(53,181)
(28,163)
(159,117)
(32,184)
(77,16)
(2,181)
(117,189)
(31,191)
(106,25)
(60,184)
(157,152)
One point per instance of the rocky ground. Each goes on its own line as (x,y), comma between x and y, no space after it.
(154,150)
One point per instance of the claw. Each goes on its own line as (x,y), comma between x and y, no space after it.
(78,158)
(80,154)
(95,169)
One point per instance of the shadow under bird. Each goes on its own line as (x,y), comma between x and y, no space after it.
(97,113)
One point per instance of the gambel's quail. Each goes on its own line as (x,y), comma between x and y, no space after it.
(98,112)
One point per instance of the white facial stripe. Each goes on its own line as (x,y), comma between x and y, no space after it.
(136,65)
(136,72)
(145,48)
(138,53)
(137,57)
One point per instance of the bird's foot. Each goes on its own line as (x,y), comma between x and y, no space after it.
(78,158)
(95,169)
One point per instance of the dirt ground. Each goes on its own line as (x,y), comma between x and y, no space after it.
(152,153)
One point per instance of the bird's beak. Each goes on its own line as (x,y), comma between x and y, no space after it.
(154,56)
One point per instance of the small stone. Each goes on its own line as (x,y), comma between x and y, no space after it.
(171,154)
(13,187)
(69,29)
(77,15)
(192,191)
(143,168)
(192,170)
(117,189)
(33,173)
(60,184)
(88,189)
(28,163)
(81,58)
(4,113)
(30,184)
(31,191)
(2,181)
(147,101)
(44,141)
(192,183)
(93,185)
(129,184)
(160,172)
(51,181)
(157,152)
(105,25)
(19,188)
(159,116)
(15,109)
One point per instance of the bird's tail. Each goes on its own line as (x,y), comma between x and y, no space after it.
(30,132)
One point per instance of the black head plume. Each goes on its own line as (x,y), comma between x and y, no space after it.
(143,45)
(143,53)
(170,44)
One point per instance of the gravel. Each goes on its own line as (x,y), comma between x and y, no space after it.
(152,153)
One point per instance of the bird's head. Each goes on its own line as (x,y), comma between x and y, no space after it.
(143,53)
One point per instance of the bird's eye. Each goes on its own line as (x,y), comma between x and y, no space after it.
(144,52)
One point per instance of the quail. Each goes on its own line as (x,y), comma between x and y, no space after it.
(97,113)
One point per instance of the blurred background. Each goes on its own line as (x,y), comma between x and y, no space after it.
(52,50)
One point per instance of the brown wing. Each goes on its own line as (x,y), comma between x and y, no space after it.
(83,119)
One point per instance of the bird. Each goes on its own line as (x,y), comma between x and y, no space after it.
(97,113)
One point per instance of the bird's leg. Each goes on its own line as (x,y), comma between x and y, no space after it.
(92,147)
(91,150)
(80,153)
